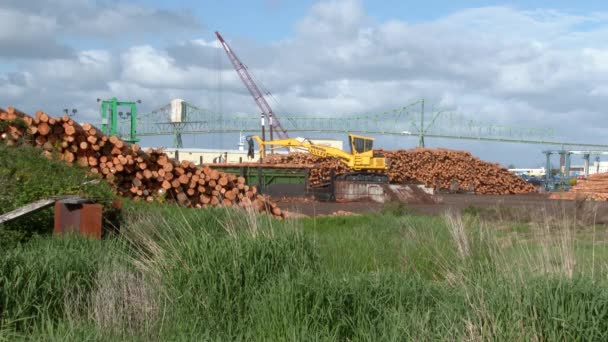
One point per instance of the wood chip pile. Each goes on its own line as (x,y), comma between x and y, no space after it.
(447,169)
(141,175)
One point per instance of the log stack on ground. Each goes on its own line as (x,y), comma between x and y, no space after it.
(437,168)
(595,187)
(453,170)
(319,173)
(141,175)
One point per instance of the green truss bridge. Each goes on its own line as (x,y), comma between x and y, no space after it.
(409,120)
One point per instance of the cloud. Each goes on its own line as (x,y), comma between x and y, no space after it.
(107,18)
(495,64)
(24,35)
(120,20)
(155,68)
(39,29)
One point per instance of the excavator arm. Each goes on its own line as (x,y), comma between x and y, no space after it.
(317,150)
(364,160)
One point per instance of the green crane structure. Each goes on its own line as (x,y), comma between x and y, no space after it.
(110,118)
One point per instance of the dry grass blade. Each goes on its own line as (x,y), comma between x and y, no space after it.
(458,232)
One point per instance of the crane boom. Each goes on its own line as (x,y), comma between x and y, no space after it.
(255,92)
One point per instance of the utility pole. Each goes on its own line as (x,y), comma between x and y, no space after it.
(421,131)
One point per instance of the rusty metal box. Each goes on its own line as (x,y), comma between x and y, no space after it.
(81,218)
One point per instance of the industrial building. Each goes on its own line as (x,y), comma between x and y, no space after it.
(202,156)
(596,167)
(538,172)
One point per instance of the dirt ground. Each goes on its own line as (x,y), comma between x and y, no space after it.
(532,204)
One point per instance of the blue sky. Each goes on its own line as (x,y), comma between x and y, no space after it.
(535,63)
(270,20)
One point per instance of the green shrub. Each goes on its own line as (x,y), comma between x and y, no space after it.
(26,176)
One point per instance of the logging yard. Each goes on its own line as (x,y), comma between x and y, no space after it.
(196,251)
(308,242)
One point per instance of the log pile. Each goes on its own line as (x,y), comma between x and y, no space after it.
(595,187)
(437,168)
(319,173)
(453,170)
(141,175)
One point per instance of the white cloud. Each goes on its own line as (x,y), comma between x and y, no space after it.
(596,59)
(155,68)
(27,35)
(39,29)
(90,69)
(497,64)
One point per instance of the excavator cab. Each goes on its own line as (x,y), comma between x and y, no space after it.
(359,144)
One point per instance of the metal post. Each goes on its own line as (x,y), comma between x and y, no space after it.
(567,168)
(263,132)
(270,128)
(114,116)
(421,131)
(562,162)
(104,117)
(177,135)
(260,187)
(133,133)
(548,170)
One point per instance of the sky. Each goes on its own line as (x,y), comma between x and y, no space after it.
(541,64)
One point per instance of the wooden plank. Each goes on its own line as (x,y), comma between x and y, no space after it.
(26,209)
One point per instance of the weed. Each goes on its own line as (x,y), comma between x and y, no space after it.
(222,274)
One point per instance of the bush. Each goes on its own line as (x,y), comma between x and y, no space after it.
(26,176)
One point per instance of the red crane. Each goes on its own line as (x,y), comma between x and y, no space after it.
(241,69)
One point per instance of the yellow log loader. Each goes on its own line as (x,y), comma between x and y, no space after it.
(367,165)
(367,180)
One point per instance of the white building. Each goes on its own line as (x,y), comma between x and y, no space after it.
(538,172)
(208,156)
(595,167)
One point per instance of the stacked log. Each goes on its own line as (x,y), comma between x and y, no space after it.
(437,168)
(453,170)
(595,187)
(319,173)
(140,175)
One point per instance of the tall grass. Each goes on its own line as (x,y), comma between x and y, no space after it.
(210,276)
(38,279)
(181,274)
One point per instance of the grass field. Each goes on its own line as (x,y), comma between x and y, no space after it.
(226,275)
(221,274)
